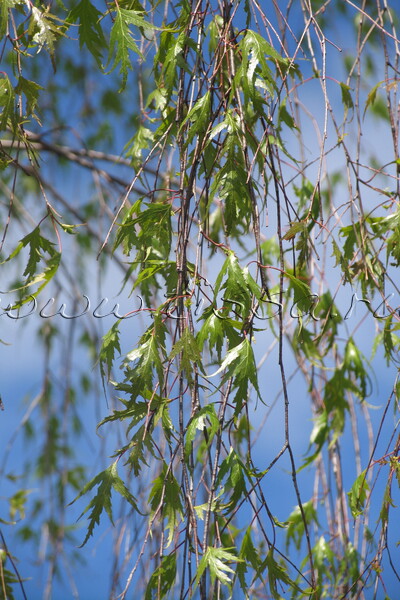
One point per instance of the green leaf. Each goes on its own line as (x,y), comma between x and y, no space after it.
(239,363)
(169,56)
(199,116)
(232,470)
(109,347)
(90,32)
(149,355)
(106,481)
(36,243)
(151,228)
(387,501)
(8,578)
(212,331)
(342,261)
(216,559)
(277,573)
(39,246)
(45,29)
(163,578)
(336,405)
(250,556)
(358,494)
(5,5)
(319,436)
(346,96)
(295,528)
(254,49)
(237,285)
(31,90)
(353,240)
(295,228)
(302,296)
(323,557)
(353,364)
(135,410)
(187,347)
(231,182)
(122,42)
(285,116)
(204,419)
(137,144)
(18,503)
(238,356)
(7,102)
(391,341)
(140,447)
(165,499)
(392,224)
(372,96)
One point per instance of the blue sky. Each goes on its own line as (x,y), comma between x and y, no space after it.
(22,362)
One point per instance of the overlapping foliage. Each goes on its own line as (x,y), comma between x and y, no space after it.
(243,199)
